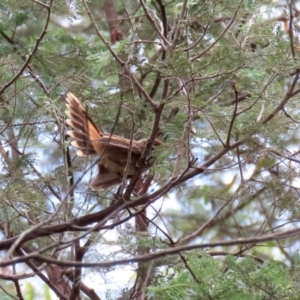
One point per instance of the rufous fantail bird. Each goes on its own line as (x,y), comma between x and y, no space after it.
(112,149)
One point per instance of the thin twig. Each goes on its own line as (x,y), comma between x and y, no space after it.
(219,37)
(35,48)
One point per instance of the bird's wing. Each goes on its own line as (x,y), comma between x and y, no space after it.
(85,131)
(116,142)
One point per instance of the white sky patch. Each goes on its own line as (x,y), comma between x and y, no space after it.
(296,182)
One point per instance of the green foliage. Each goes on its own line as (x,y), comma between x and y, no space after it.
(47,294)
(29,294)
(242,278)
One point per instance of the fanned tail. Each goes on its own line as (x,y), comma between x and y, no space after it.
(84,129)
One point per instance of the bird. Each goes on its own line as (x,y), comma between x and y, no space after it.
(113,150)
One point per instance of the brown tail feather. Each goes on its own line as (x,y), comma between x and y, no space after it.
(85,130)
(79,116)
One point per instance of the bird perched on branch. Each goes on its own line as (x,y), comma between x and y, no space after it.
(117,154)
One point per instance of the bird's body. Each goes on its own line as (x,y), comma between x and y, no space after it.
(117,154)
